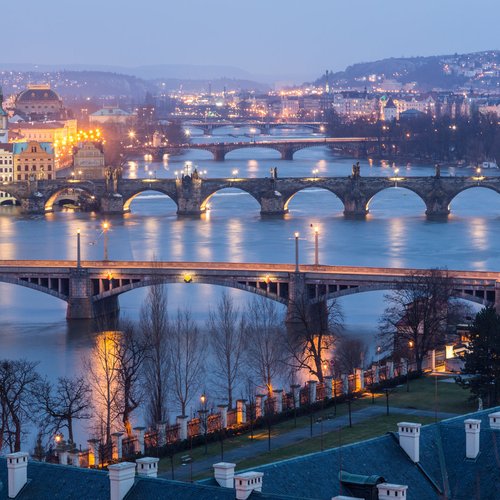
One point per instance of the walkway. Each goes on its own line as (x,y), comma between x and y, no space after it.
(183,473)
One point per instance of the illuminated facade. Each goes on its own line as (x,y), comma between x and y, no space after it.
(40,102)
(33,160)
(6,170)
(88,161)
(4,126)
(56,131)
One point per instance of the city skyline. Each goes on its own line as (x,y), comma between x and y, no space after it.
(263,40)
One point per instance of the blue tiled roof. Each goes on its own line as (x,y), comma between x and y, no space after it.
(442,467)
(19,147)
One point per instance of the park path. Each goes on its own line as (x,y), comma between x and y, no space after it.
(257,447)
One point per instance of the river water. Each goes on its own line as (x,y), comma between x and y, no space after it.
(396,233)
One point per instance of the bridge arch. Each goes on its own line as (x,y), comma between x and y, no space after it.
(132,197)
(315,187)
(58,288)
(12,191)
(238,189)
(479,186)
(78,189)
(387,287)
(264,148)
(229,283)
(404,189)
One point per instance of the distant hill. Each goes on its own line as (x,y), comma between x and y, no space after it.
(480,69)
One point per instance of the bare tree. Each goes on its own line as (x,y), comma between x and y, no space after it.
(187,358)
(155,329)
(349,354)
(264,343)
(102,369)
(415,319)
(311,334)
(18,379)
(226,336)
(130,349)
(63,403)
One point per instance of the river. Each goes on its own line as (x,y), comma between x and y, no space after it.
(396,233)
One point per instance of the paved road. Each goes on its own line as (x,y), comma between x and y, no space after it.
(183,473)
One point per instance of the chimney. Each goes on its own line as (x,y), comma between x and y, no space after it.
(472,434)
(247,482)
(409,439)
(387,491)
(121,478)
(17,466)
(147,466)
(224,474)
(494,420)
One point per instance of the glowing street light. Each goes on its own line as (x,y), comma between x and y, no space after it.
(296,236)
(316,245)
(235,173)
(105,228)
(315,172)
(78,254)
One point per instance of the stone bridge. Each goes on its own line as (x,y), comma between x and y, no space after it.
(286,148)
(209,127)
(192,193)
(92,288)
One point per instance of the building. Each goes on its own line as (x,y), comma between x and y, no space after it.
(6,171)
(390,111)
(111,115)
(33,160)
(39,102)
(4,125)
(88,160)
(48,131)
(353,105)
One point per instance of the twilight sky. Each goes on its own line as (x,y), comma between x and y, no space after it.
(278,38)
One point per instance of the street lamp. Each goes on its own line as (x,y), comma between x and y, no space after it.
(315,172)
(296,236)
(203,417)
(316,246)
(410,346)
(105,228)
(78,255)
(396,171)
(235,173)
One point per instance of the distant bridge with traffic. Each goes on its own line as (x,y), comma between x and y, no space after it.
(208,126)
(91,288)
(286,147)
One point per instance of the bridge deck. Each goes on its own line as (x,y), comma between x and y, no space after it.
(235,267)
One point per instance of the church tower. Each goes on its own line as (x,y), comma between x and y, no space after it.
(4,130)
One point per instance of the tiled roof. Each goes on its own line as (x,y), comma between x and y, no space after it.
(442,467)
(19,147)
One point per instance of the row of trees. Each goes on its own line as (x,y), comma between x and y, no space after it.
(474,139)
(162,361)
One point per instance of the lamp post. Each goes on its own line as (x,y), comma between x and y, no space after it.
(410,346)
(478,172)
(316,246)
(78,254)
(396,171)
(296,236)
(203,416)
(105,228)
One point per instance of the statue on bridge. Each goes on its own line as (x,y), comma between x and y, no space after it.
(438,171)
(112,175)
(356,174)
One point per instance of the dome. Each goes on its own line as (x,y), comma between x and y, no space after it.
(37,94)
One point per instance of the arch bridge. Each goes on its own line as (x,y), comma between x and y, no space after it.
(286,147)
(92,288)
(191,193)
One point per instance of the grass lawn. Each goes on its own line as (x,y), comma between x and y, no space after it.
(376,426)
(450,398)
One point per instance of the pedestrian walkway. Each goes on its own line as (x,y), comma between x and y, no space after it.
(255,448)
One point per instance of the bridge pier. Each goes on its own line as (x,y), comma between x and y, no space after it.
(287,154)
(111,203)
(33,205)
(355,206)
(437,208)
(189,198)
(272,204)
(219,154)
(81,305)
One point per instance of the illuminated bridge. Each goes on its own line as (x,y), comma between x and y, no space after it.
(192,193)
(262,126)
(285,147)
(93,288)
